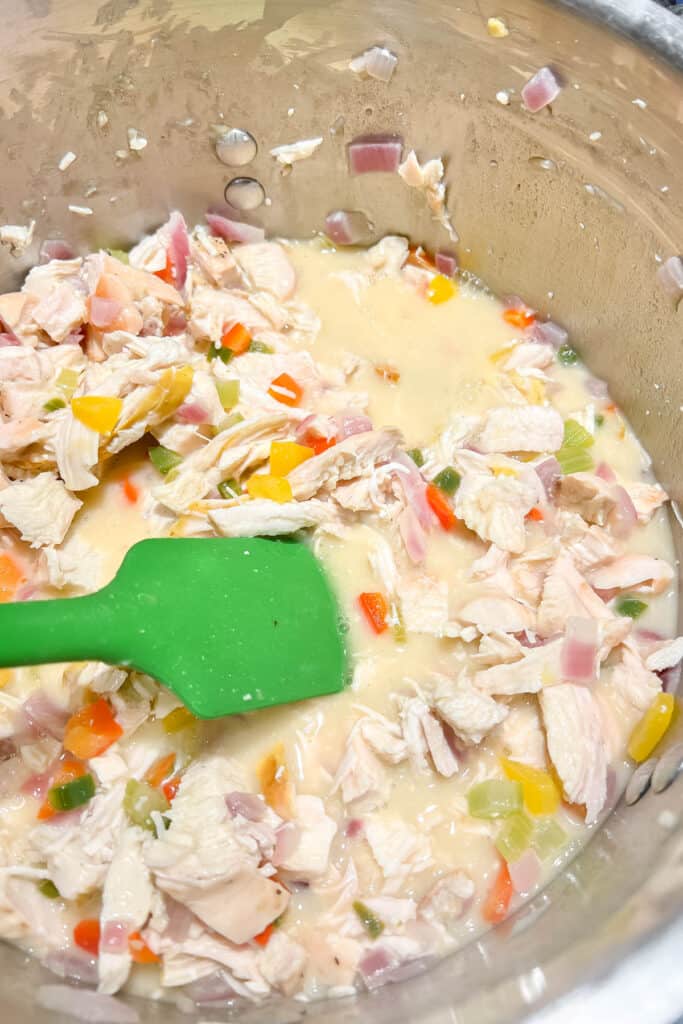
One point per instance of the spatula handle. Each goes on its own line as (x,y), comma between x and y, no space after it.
(44,632)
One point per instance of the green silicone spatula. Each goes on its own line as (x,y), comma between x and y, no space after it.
(229,625)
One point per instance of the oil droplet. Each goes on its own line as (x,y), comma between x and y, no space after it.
(542,163)
(244,193)
(236,147)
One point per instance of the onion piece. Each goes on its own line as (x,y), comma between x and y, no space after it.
(114,937)
(104,312)
(214,988)
(377,62)
(670,277)
(413,535)
(347,227)
(541,89)
(415,490)
(73,965)
(597,388)
(623,517)
(43,717)
(350,423)
(605,472)
(525,872)
(374,965)
(178,248)
(287,838)
(192,412)
(233,230)
(370,153)
(548,332)
(176,323)
(580,650)
(549,472)
(446,262)
(180,919)
(55,249)
(94,1007)
(246,804)
(8,338)
(37,785)
(354,828)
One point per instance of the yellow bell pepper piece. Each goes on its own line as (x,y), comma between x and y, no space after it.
(652,726)
(441,289)
(286,456)
(541,795)
(99,412)
(274,488)
(5,677)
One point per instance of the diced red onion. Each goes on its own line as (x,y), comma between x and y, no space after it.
(26,592)
(623,517)
(346,227)
(13,775)
(104,312)
(37,785)
(580,650)
(605,472)
(612,793)
(7,339)
(548,332)
(178,248)
(670,678)
(93,1007)
(525,872)
(670,277)
(446,262)
(74,965)
(649,636)
(55,249)
(75,337)
(180,920)
(319,426)
(597,388)
(549,472)
(374,965)
(349,424)
(413,534)
(233,230)
(43,717)
(354,828)
(530,640)
(541,89)
(176,323)
(415,490)
(192,412)
(214,988)
(606,595)
(114,937)
(370,153)
(246,804)
(287,838)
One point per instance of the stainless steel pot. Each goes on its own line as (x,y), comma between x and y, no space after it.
(574,221)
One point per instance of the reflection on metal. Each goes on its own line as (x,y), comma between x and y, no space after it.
(236,147)
(244,194)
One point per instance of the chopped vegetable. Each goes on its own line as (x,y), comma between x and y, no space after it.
(548,837)
(520,318)
(273,776)
(261,347)
(441,289)
(286,390)
(164,459)
(540,791)
(130,491)
(229,489)
(228,393)
(218,352)
(160,770)
(53,404)
(170,788)
(448,480)
(177,720)
(72,794)
(416,455)
(375,608)
(10,577)
(263,938)
(237,339)
(441,507)
(574,460)
(287,455)
(68,770)
(98,412)
(497,902)
(576,436)
(535,514)
(49,890)
(119,254)
(87,935)
(141,800)
(317,442)
(91,730)
(652,726)
(274,488)
(495,798)
(388,372)
(514,837)
(631,607)
(67,382)
(140,951)
(599,420)
(567,355)
(372,924)
(230,421)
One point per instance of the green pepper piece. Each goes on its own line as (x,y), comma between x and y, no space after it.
(448,480)
(218,352)
(416,455)
(164,459)
(567,355)
(72,794)
(48,888)
(229,489)
(372,924)
(53,404)
(630,607)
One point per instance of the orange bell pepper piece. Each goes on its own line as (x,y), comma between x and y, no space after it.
(441,507)
(87,935)
(375,609)
(10,577)
(237,339)
(497,902)
(140,951)
(92,730)
(286,390)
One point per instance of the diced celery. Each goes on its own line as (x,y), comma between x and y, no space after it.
(495,798)
(67,381)
(573,459)
(48,888)
(230,421)
(448,480)
(228,393)
(260,346)
(141,800)
(53,404)
(417,456)
(164,459)
(229,489)
(119,254)
(514,837)
(576,436)
(548,837)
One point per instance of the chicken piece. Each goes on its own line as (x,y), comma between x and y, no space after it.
(497,648)
(503,614)
(588,495)
(424,604)
(539,667)
(316,830)
(383,563)
(42,279)
(448,899)
(214,259)
(263,518)
(576,745)
(495,507)
(15,309)
(126,897)
(26,914)
(360,774)
(470,713)
(641,574)
(384,737)
(661,656)
(268,268)
(443,758)
(521,428)
(61,312)
(386,258)
(412,711)
(393,911)
(74,564)
(241,962)
(149,254)
(399,849)
(238,907)
(522,735)
(212,312)
(290,153)
(567,594)
(77,452)
(282,963)
(333,960)
(646,498)
(633,681)
(528,355)
(429,179)
(355,456)
(139,283)
(40,507)
(17,436)
(493,568)
(588,546)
